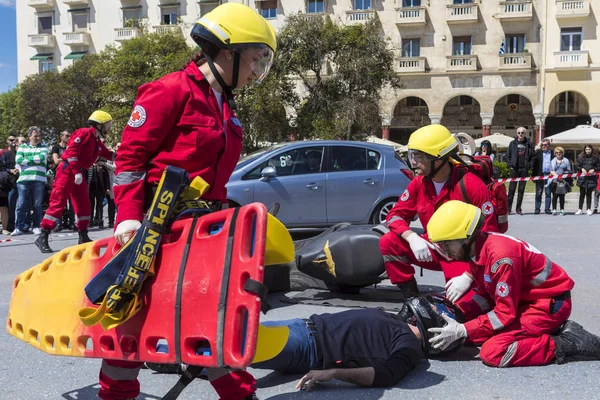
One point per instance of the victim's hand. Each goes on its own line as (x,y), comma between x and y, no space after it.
(315,376)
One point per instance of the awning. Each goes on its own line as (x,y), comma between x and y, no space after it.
(43,56)
(131,8)
(78,10)
(76,55)
(168,5)
(208,1)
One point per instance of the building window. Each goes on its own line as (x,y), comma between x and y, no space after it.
(570,39)
(411,47)
(46,66)
(465,101)
(80,21)
(462,1)
(513,99)
(45,24)
(461,46)
(268,9)
(205,8)
(362,4)
(169,16)
(131,17)
(411,3)
(515,43)
(315,6)
(568,103)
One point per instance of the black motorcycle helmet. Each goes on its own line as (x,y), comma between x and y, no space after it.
(426,312)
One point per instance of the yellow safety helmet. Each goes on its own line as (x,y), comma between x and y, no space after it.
(454,220)
(235,26)
(99,117)
(435,140)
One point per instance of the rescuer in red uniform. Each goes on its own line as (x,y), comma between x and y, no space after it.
(430,151)
(82,151)
(531,295)
(186,119)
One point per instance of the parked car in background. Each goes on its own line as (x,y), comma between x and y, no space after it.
(322,182)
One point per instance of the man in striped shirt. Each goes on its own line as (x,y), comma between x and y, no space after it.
(31,159)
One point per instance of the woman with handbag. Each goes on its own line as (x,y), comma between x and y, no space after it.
(587,162)
(560,187)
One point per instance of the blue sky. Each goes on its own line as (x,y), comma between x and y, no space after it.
(8,49)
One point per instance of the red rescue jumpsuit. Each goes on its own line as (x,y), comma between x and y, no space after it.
(420,198)
(176,121)
(531,300)
(82,151)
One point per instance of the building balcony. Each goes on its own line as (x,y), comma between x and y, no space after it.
(77,38)
(40,3)
(572,8)
(165,29)
(411,64)
(124,34)
(312,16)
(41,40)
(519,10)
(410,16)
(76,2)
(461,63)
(359,16)
(461,13)
(571,59)
(514,61)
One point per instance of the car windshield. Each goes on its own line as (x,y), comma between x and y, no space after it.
(248,158)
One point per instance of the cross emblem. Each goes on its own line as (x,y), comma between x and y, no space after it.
(487,208)
(502,289)
(136,116)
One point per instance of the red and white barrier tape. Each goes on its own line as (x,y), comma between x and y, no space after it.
(5,240)
(543,177)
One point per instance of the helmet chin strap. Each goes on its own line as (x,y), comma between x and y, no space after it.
(234,78)
(433,169)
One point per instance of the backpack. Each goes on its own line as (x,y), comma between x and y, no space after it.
(483,167)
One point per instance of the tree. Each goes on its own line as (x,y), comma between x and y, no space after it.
(12,121)
(122,70)
(342,70)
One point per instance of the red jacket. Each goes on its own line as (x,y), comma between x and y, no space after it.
(420,198)
(83,150)
(513,273)
(176,121)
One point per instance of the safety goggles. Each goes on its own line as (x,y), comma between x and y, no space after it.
(260,59)
(442,249)
(419,156)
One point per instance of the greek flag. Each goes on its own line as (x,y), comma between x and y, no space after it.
(502,48)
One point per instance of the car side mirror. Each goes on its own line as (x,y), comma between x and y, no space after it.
(267,173)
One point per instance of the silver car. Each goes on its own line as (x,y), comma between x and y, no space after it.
(319,183)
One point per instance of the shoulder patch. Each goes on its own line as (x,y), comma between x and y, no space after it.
(138,117)
(487,278)
(236,122)
(487,208)
(405,195)
(77,140)
(500,262)
(502,289)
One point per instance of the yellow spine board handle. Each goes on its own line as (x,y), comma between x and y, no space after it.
(270,342)
(279,248)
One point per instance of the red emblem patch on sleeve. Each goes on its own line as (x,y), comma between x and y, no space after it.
(405,195)
(138,117)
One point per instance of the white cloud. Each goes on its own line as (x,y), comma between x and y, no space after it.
(4,65)
(7,3)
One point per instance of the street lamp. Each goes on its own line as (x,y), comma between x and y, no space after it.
(463,117)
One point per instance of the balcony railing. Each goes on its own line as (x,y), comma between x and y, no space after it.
(411,64)
(571,59)
(518,10)
(461,63)
(124,34)
(410,16)
(76,2)
(41,40)
(312,16)
(461,13)
(359,16)
(514,61)
(40,3)
(77,39)
(572,8)
(164,29)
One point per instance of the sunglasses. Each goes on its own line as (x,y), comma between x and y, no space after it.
(558,152)
(521,132)
(544,145)
(11,140)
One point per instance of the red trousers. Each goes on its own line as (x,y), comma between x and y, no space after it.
(526,341)
(118,381)
(400,263)
(64,188)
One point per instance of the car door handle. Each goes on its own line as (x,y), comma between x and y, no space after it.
(313,186)
(370,181)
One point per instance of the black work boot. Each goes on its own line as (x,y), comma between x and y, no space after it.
(574,343)
(83,236)
(409,289)
(42,242)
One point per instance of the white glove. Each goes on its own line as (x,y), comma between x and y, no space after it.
(78,179)
(420,247)
(458,286)
(126,229)
(448,334)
